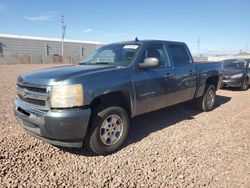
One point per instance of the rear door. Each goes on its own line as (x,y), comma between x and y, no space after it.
(184,72)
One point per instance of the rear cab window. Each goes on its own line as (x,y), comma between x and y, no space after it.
(179,54)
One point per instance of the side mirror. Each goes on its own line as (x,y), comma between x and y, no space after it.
(150,62)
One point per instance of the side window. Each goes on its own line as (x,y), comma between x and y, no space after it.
(179,55)
(159,52)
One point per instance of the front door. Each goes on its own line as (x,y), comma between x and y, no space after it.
(154,87)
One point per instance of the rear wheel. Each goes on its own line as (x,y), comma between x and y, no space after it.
(207,101)
(221,86)
(109,130)
(244,86)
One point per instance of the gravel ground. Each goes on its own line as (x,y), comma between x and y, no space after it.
(175,147)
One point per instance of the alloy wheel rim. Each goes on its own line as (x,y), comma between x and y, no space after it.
(245,85)
(210,98)
(111,129)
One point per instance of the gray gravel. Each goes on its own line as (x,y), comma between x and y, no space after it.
(175,147)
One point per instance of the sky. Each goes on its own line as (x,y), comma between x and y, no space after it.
(223,26)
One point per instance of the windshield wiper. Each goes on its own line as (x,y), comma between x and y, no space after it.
(101,63)
(96,63)
(83,63)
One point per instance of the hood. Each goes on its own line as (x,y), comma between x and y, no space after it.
(231,72)
(51,76)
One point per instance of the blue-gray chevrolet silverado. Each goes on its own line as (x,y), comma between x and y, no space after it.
(93,102)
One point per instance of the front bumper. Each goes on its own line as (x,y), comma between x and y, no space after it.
(237,82)
(65,128)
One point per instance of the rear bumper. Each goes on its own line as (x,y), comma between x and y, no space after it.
(233,82)
(65,128)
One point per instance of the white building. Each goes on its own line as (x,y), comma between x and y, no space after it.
(220,58)
(45,49)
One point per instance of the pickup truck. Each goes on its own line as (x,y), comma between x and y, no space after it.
(91,104)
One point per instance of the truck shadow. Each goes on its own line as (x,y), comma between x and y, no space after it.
(144,125)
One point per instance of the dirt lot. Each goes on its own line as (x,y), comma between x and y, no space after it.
(175,147)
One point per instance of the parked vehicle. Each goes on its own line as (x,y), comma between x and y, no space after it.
(236,73)
(93,102)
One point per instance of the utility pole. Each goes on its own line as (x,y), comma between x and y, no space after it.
(246,48)
(63,31)
(198,46)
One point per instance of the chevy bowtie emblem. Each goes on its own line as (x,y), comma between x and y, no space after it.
(21,92)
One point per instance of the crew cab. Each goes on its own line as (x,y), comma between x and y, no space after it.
(92,103)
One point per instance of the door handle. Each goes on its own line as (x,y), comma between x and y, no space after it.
(191,73)
(168,75)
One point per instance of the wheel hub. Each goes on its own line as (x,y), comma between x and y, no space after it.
(111,129)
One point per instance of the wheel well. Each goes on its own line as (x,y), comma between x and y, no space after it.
(213,81)
(115,98)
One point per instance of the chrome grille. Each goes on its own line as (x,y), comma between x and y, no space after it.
(33,96)
(33,88)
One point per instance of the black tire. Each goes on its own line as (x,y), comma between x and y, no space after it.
(95,138)
(221,86)
(204,103)
(244,86)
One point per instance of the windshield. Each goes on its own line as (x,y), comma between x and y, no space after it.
(234,64)
(113,54)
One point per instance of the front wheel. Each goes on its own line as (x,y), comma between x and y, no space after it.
(244,86)
(207,101)
(109,130)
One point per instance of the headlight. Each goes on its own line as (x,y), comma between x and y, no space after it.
(66,96)
(237,75)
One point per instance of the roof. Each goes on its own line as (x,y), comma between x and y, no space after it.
(147,41)
(46,39)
